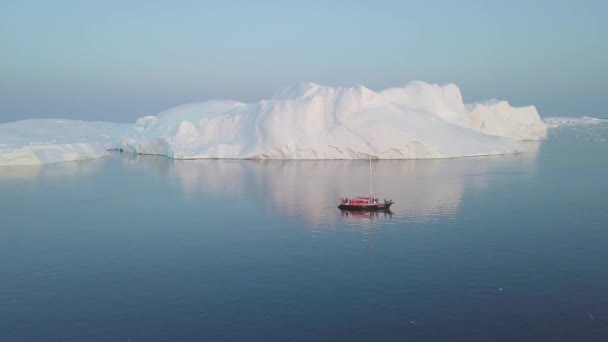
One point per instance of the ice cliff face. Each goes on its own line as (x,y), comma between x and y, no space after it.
(306,121)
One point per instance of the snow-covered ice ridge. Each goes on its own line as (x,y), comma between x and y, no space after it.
(306,121)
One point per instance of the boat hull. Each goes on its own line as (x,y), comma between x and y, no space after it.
(366,207)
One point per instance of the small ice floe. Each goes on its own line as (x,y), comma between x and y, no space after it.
(572,121)
(591,316)
(412,322)
(500,289)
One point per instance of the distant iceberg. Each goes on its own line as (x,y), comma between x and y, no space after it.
(44,141)
(306,121)
(556,122)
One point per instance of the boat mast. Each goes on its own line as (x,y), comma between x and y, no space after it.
(370,173)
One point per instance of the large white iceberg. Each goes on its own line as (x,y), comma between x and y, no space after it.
(309,121)
(306,121)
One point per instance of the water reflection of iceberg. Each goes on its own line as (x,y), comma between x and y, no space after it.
(422,189)
(71,169)
(20,172)
(216,177)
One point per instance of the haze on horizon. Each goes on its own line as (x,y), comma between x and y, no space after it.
(116,61)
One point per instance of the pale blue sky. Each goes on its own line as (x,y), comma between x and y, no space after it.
(117,60)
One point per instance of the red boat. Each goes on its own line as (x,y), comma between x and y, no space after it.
(365,204)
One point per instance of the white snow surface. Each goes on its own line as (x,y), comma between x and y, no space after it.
(306,121)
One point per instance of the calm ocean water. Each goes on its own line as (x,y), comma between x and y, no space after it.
(144,248)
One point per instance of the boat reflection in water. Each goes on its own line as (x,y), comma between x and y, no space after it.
(358,214)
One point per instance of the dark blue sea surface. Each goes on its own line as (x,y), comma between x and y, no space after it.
(145,248)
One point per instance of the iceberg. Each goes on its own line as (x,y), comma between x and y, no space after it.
(499,118)
(557,122)
(305,121)
(45,141)
(310,121)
